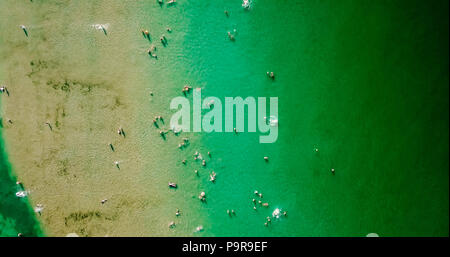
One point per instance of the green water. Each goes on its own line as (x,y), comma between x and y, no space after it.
(16,215)
(365,82)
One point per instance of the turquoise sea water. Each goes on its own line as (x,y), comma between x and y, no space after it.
(365,82)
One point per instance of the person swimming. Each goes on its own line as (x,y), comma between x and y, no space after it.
(231,36)
(246,4)
(202,196)
(212,177)
(49,125)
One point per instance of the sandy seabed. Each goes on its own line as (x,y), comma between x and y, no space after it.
(70,88)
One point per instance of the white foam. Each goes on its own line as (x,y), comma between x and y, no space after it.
(99,26)
(276,213)
(21,194)
(246,4)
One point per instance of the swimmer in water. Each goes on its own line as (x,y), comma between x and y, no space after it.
(271,75)
(231,36)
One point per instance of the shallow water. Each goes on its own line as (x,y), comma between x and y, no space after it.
(364,82)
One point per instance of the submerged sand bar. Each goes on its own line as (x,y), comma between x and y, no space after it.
(70,89)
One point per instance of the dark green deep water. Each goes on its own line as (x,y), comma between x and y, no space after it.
(365,82)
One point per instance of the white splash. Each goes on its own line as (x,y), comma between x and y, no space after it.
(246,4)
(100,26)
(21,194)
(273,121)
(276,213)
(199,228)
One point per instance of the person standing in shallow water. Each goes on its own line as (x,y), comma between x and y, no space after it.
(24,29)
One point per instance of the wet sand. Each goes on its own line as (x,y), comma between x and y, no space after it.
(78,80)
